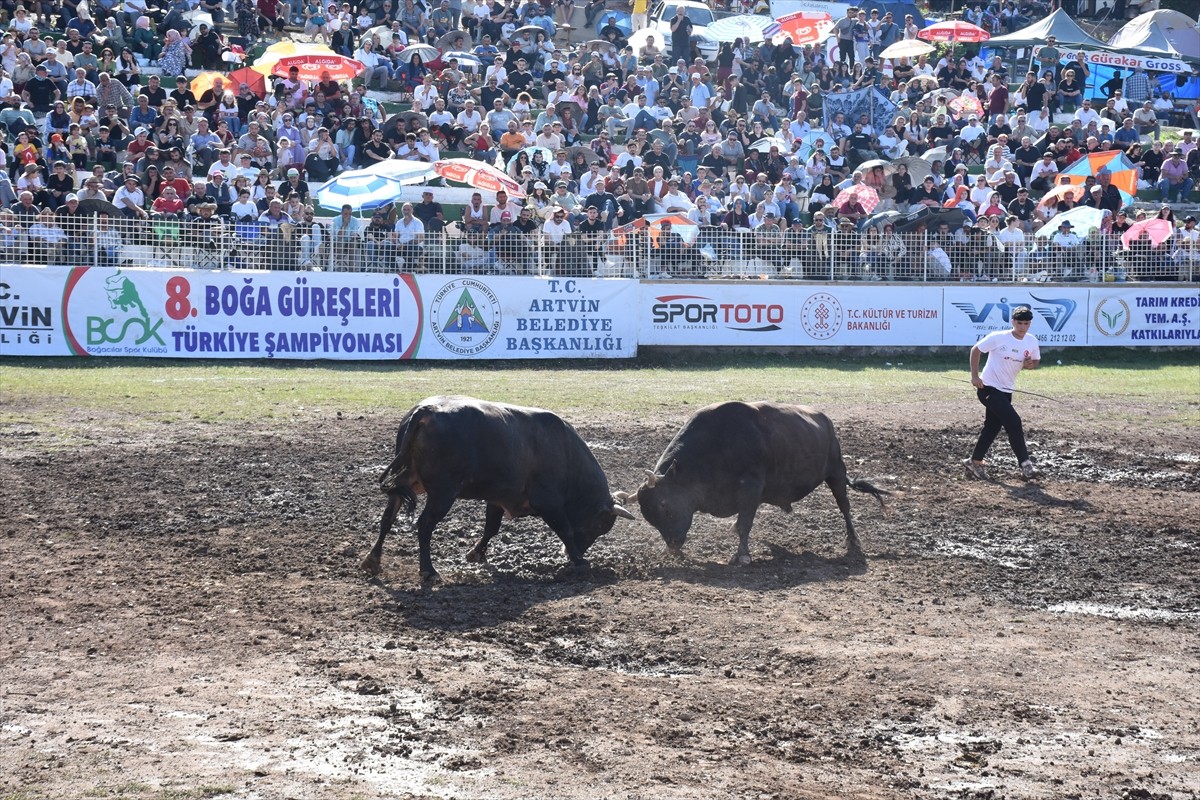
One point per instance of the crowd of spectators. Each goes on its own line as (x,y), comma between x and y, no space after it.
(597,135)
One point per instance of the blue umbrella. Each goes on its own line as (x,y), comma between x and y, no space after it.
(359,189)
(620,19)
(808,143)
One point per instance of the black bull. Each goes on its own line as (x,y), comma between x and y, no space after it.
(731,458)
(520,461)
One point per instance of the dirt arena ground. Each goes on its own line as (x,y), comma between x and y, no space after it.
(184,617)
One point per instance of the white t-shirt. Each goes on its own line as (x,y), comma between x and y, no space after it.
(1006,358)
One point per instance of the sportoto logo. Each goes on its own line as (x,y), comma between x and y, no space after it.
(1113,320)
(822,316)
(697,311)
(465,316)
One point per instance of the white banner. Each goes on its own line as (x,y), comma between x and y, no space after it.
(787,314)
(488,317)
(972,312)
(310,315)
(1144,317)
(1123,61)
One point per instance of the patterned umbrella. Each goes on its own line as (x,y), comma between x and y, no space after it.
(313,67)
(966,104)
(271,56)
(357,188)
(686,229)
(867,197)
(764,145)
(1122,170)
(954,31)
(1071,190)
(747,27)
(1159,230)
(809,143)
(477,174)
(803,27)
(926,81)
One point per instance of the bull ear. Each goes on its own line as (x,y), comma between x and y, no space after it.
(620,511)
(651,478)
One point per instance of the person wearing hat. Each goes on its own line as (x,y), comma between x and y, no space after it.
(130,198)
(40,92)
(1066,250)
(1009,352)
(554,235)
(1174,178)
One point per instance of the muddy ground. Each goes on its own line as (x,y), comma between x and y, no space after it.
(184,617)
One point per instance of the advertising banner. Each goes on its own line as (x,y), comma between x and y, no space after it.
(1125,61)
(972,312)
(788,315)
(310,315)
(508,317)
(1145,317)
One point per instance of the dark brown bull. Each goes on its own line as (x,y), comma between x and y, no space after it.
(520,461)
(731,458)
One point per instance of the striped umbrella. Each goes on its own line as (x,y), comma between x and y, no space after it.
(359,189)
(406,173)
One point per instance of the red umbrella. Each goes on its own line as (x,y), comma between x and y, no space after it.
(953,31)
(477,174)
(255,80)
(1159,230)
(803,27)
(867,197)
(313,67)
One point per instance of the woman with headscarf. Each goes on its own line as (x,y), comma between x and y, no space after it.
(175,53)
(143,41)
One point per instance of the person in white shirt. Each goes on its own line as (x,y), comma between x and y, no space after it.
(468,119)
(1086,114)
(1065,249)
(497,71)
(427,149)
(1042,177)
(980,192)
(1009,353)
(409,235)
(1013,239)
(425,94)
(504,206)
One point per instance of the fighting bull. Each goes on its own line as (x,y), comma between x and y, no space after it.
(519,461)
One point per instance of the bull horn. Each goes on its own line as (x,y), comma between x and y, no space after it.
(651,478)
(621,498)
(620,511)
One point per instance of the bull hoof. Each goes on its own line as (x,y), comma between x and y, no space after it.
(476,556)
(740,560)
(370,565)
(430,576)
(582,565)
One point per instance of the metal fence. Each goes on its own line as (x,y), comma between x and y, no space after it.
(701,253)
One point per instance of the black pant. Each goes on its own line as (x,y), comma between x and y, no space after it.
(1000,414)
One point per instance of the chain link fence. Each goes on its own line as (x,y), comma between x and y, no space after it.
(816,254)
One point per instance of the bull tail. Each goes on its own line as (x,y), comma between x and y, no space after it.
(395,478)
(869,488)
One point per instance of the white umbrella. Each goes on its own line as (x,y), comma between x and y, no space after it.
(907,48)
(467,61)
(197,18)
(934,154)
(359,189)
(747,27)
(426,52)
(764,145)
(406,173)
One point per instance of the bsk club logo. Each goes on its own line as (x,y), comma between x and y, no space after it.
(821,316)
(465,316)
(1114,320)
(1055,311)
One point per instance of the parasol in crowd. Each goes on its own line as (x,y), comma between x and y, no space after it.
(251,78)
(466,61)
(953,31)
(908,48)
(314,67)
(426,52)
(404,172)
(357,188)
(747,27)
(803,27)
(1158,229)
(1083,221)
(589,155)
(478,174)
(966,104)
(271,56)
(1064,190)
(867,197)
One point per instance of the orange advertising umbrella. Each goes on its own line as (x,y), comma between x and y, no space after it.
(477,174)
(312,67)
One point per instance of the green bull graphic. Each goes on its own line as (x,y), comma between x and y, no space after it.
(123,296)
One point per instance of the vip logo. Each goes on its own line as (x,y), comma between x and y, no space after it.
(1055,311)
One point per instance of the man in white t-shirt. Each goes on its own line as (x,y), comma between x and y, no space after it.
(1087,114)
(1009,352)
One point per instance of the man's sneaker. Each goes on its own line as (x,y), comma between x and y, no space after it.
(975,469)
(1027,468)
